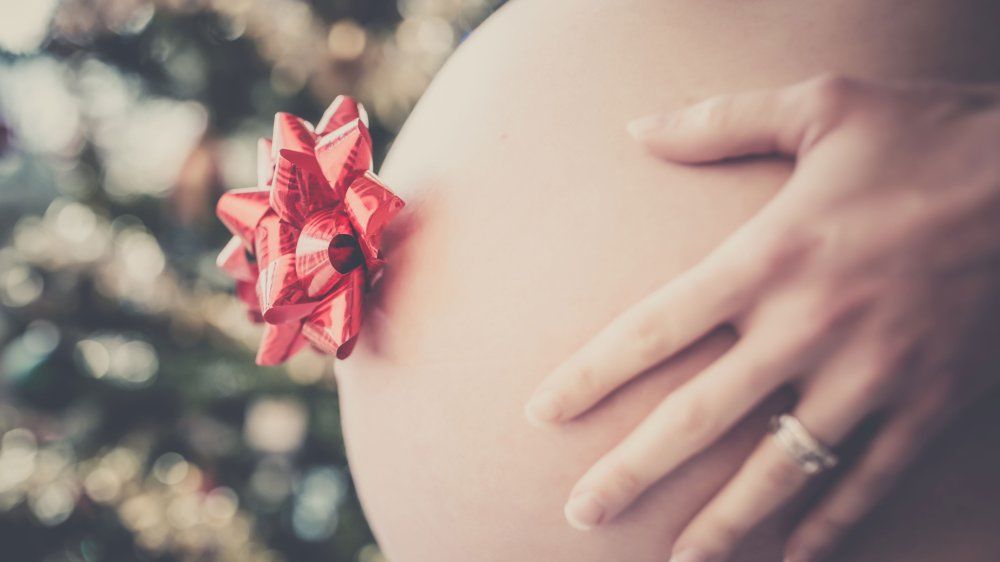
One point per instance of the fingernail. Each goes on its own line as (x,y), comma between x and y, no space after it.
(641,128)
(542,408)
(583,511)
(690,555)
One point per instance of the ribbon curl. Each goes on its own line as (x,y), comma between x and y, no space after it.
(306,242)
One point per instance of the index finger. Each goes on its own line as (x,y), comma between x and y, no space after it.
(652,330)
(659,326)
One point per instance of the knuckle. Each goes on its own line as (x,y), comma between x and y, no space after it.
(890,358)
(842,306)
(647,334)
(727,286)
(871,385)
(814,332)
(822,320)
(828,93)
(712,113)
(827,317)
(785,251)
(826,313)
(760,368)
(691,419)
(584,382)
(823,103)
(622,481)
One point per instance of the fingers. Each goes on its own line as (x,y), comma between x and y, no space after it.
(770,477)
(650,331)
(687,421)
(895,447)
(707,295)
(763,122)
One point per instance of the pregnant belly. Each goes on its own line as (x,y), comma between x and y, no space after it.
(533,220)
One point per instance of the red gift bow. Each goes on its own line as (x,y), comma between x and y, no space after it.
(307,242)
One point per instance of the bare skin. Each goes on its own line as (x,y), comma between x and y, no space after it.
(881,250)
(534,219)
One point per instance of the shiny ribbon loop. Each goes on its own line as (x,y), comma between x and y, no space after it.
(306,242)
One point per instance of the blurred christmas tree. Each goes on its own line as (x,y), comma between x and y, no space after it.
(133,423)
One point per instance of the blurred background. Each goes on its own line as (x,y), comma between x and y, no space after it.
(133,422)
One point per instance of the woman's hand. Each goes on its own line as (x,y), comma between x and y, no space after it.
(869,284)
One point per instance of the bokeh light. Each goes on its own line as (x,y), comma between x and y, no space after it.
(133,422)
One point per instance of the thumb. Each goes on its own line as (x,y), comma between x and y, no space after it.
(764,122)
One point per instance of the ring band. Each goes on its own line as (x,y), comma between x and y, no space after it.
(807,452)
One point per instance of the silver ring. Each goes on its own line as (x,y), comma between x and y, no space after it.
(807,452)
